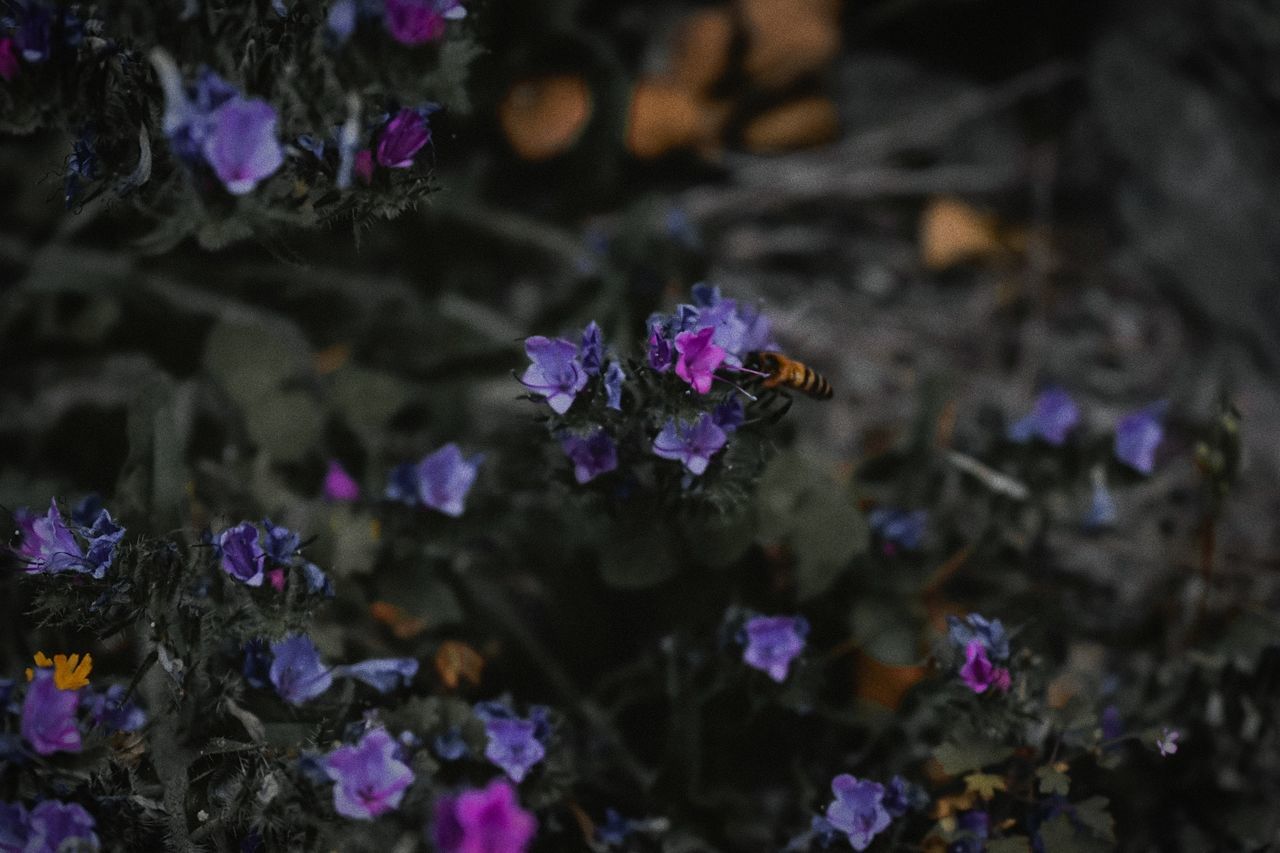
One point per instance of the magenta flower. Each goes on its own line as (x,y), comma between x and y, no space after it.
(556,372)
(858,810)
(414,22)
(8,60)
(402,138)
(979,673)
(1138,435)
(368,778)
(363,166)
(691,444)
(242,556)
(339,485)
(485,820)
(699,358)
(49,715)
(1052,418)
(242,146)
(298,673)
(773,642)
(514,746)
(445,478)
(592,455)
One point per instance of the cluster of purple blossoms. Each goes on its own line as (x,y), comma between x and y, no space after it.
(369,778)
(440,481)
(984,645)
(735,331)
(49,546)
(409,22)
(483,820)
(515,744)
(298,673)
(771,643)
(252,556)
(49,827)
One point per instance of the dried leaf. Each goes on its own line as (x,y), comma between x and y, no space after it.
(455,660)
(543,117)
(795,124)
(984,785)
(953,232)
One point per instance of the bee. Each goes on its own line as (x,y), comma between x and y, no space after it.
(781,371)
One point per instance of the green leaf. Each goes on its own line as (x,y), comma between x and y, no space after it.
(885,631)
(287,426)
(251,360)
(957,758)
(828,533)
(1053,781)
(984,785)
(1093,813)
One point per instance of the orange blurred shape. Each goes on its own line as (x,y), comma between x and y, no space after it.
(795,124)
(402,625)
(952,804)
(332,358)
(700,54)
(885,684)
(455,660)
(953,232)
(789,39)
(666,118)
(543,117)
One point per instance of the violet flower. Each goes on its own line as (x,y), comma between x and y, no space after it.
(1102,512)
(729,415)
(698,359)
(974,626)
(591,350)
(484,820)
(898,528)
(1052,418)
(414,22)
(660,355)
(8,60)
(339,485)
(189,109)
(341,21)
(382,674)
(242,556)
(556,373)
(1167,742)
(979,674)
(513,746)
(14,827)
(297,672)
(242,146)
(48,545)
(613,379)
(693,445)
(281,544)
(49,715)
(368,778)
(1138,435)
(592,454)
(773,642)
(445,478)
(402,138)
(858,810)
(53,824)
(110,710)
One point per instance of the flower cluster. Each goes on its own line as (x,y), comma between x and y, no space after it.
(47,827)
(409,22)
(48,545)
(984,644)
(253,556)
(58,694)
(369,779)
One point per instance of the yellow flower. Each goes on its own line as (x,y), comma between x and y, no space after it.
(71,673)
(42,661)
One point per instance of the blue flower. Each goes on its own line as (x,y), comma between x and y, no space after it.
(899,528)
(556,372)
(858,810)
(729,415)
(773,642)
(281,544)
(341,22)
(613,379)
(692,445)
(369,779)
(188,116)
(297,671)
(14,827)
(615,829)
(592,349)
(1138,435)
(382,674)
(242,146)
(111,711)
(1052,418)
(592,454)
(445,479)
(900,797)
(990,634)
(514,746)
(242,557)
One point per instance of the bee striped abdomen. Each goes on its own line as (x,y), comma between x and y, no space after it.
(789,373)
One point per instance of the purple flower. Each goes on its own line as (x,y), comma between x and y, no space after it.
(242,557)
(979,674)
(8,60)
(1111,723)
(189,110)
(592,455)
(1167,742)
(613,379)
(53,824)
(1052,417)
(974,626)
(737,329)
(414,22)
(699,358)
(445,478)
(485,820)
(256,668)
(339,485)
(900,797)
(48,546)
(773,642)
(281,544)
(660,354)
(382,674)
(368,778)
(49,715)
(1138,435)
(556,372)
(729,415)
(450,745)
(691,444)
(592,349)
(402,138)
(297,671)
(110,710)
(513,746)
(898,528)
(858,810)
(101,537)
(242,146)
(14,827)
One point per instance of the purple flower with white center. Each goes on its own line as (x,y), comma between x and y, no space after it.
(445,478)
(340,486)
(110,710)
(1167,742)
(693,445)
(556,373)
(49,715)
(592,455)
(242,146)
(858,810)
(1052,418)
(484,820)
(368,778)
(514,746)
(48,545)
(979,673)
(613,379)
(1138,436)
(699,358)
(382,674)
(660,355)
(53,824)
(974,626)
(297,672)
(402,138)
(414,22)
(773,642)
(8,60)
(14,827)
(591,351)
(242,556)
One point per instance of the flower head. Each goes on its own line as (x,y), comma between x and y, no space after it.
(484,820)
(414,22)
(698,358)
(660,354)
(101,538)
(242,556)
(1167,742)
(898,528)
(729,415)
(1138,435)
(1052,418)
(691,444)
(339,485)
(298,673)
(974,626)
(49,715)
(242,146)
(613,379)
(69,673)
(48,545)
(900,797)
(445,478)
(8,60)
(858,810)
(368,778)
(556,372)
(773,642)
(53,824)
(514,746)
(592,349)
(592,455)
(979,674)
(402,138)
(281,544)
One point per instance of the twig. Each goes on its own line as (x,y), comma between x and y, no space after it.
(991,478)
